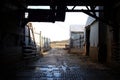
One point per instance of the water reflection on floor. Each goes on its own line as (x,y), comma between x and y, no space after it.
(59,65)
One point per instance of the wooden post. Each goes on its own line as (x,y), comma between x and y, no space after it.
(40,41)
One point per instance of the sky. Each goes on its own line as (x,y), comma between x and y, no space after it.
(60,30)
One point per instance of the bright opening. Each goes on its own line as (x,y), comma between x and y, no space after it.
(61,30)
(38,7)
(26,14)
(76,7)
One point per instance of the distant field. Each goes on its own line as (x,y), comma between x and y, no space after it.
(59,44)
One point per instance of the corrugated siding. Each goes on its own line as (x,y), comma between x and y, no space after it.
(77,40)
(94,35)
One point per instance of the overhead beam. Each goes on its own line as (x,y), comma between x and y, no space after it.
(84,10)
(67,10)
(73,8)
(93,8)
(67,2)
(105,21)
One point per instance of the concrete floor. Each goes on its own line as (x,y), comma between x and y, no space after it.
(57,64)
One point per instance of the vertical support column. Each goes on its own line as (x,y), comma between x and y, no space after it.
(40,42)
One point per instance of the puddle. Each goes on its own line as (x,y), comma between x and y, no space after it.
(49,71)
(51,66)
(65,69)
(57,74)
(49,74)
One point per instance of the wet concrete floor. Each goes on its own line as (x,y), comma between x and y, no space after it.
(57,64)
